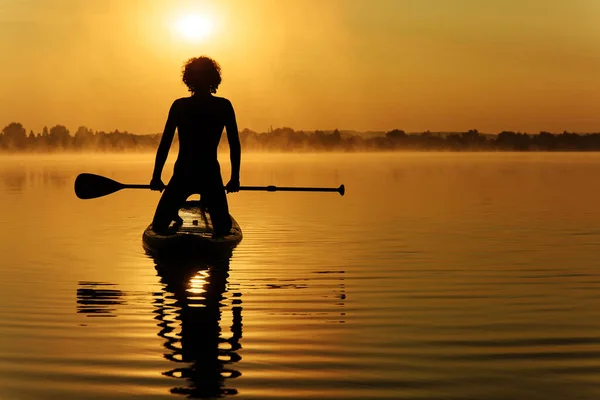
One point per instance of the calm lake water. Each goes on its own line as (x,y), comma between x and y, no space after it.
(437,276)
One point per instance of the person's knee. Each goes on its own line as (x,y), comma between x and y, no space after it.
(222,224)
(161,220)
(160,228)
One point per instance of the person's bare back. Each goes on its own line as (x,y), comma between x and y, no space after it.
(200,120)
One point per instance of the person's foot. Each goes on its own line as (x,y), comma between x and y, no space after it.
(161,231)
(177,222)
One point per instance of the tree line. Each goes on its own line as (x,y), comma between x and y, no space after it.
(14,138)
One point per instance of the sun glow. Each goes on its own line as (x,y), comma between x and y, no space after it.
(198,281)
(194,27)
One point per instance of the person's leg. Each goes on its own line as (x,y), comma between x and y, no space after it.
(171,200)
(215,199)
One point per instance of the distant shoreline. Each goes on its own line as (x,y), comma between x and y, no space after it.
(58,139)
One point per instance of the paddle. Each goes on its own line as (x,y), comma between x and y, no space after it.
(91,186)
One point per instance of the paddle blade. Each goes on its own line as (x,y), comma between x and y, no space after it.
(341,190)
(90,186)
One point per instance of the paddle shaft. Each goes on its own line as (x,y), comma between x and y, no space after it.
(289,189)
(261,188)
(135,186)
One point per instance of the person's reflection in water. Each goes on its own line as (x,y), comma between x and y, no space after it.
(196,295)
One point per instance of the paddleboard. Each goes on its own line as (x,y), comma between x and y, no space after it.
(193,237)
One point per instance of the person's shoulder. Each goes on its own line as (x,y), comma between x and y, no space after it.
(222,101)
(178,102)
(181,100)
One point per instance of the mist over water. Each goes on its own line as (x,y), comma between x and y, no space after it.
(438,275)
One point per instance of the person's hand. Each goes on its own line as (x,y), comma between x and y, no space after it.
(157,184)
(233,186)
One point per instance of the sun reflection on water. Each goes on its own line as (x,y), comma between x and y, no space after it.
(198,282)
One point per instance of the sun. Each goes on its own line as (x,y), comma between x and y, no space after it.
(194,27)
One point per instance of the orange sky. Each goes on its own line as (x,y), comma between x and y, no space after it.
(493,65)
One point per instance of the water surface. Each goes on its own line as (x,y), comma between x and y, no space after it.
(437,276)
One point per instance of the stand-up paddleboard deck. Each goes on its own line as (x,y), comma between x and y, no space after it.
(194,236)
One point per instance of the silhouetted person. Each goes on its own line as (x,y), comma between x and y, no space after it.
(199,120)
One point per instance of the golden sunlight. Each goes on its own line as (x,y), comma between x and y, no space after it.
(198,282)
(194,27)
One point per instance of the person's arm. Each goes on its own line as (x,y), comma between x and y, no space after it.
(163,149)
(235,149)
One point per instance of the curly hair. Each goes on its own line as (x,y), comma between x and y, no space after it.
(201,74)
